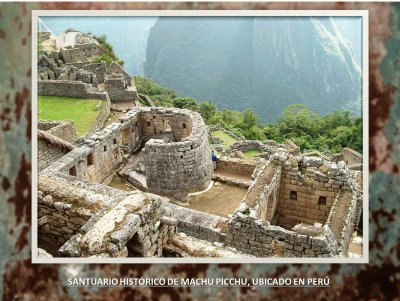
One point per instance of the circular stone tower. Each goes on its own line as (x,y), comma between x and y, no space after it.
(183,164)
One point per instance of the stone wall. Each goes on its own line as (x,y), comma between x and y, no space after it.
(257,237)
(102,117)
(262,196)
(241,166)
(198,224)
(289,190)
(351,157)
(73,55)
(116,69)
(88,219)
(65,204)
(58,220)
(89,49)
(63,129)
(358,177)
(309,187)
(72,89)
(292,148)
(115,87)
(181,165)
(48,153)
(133,227)
(99,69)
(341,218)
(184,165)
(96,159)
(286,191)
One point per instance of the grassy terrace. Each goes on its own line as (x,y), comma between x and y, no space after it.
(251,153)
(226,139)
(81,111)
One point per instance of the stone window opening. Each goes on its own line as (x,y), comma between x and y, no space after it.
(154,117)
(72,171)
(115,141)
(167,126)
(184,125)
(148,123)
(90,159)
(322,200)
(293,195)
(105,148)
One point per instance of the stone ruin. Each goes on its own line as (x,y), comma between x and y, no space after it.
(295,205)
(68,69)
(237,149)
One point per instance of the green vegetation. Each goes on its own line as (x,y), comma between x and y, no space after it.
(107,50)
(81,111)
(251,153)
(159,95)
(226,139)
(327,134)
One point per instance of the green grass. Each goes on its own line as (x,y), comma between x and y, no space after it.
(81,111)
(226,139)
(251,153)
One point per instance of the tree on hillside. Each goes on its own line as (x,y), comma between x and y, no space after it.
(298,120)
(232,118)
(249,118)
(207,110)
(185,103)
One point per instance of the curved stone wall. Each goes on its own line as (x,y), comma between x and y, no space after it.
(182,165)
(176,154)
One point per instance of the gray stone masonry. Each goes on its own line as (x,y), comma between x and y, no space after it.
(351,157)
(115,68)
(89,49)
(309,186)
(99,69)
(63,129)
(67,204)
(73,55)
(89,219)
(48,153)
(185,165)
(72,89)
(133,226)
(261,239)
(198,224)
(188,246)
(116,87)
(341,218)
(241,166)
(262,196)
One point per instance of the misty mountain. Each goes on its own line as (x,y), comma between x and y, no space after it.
(262,62)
